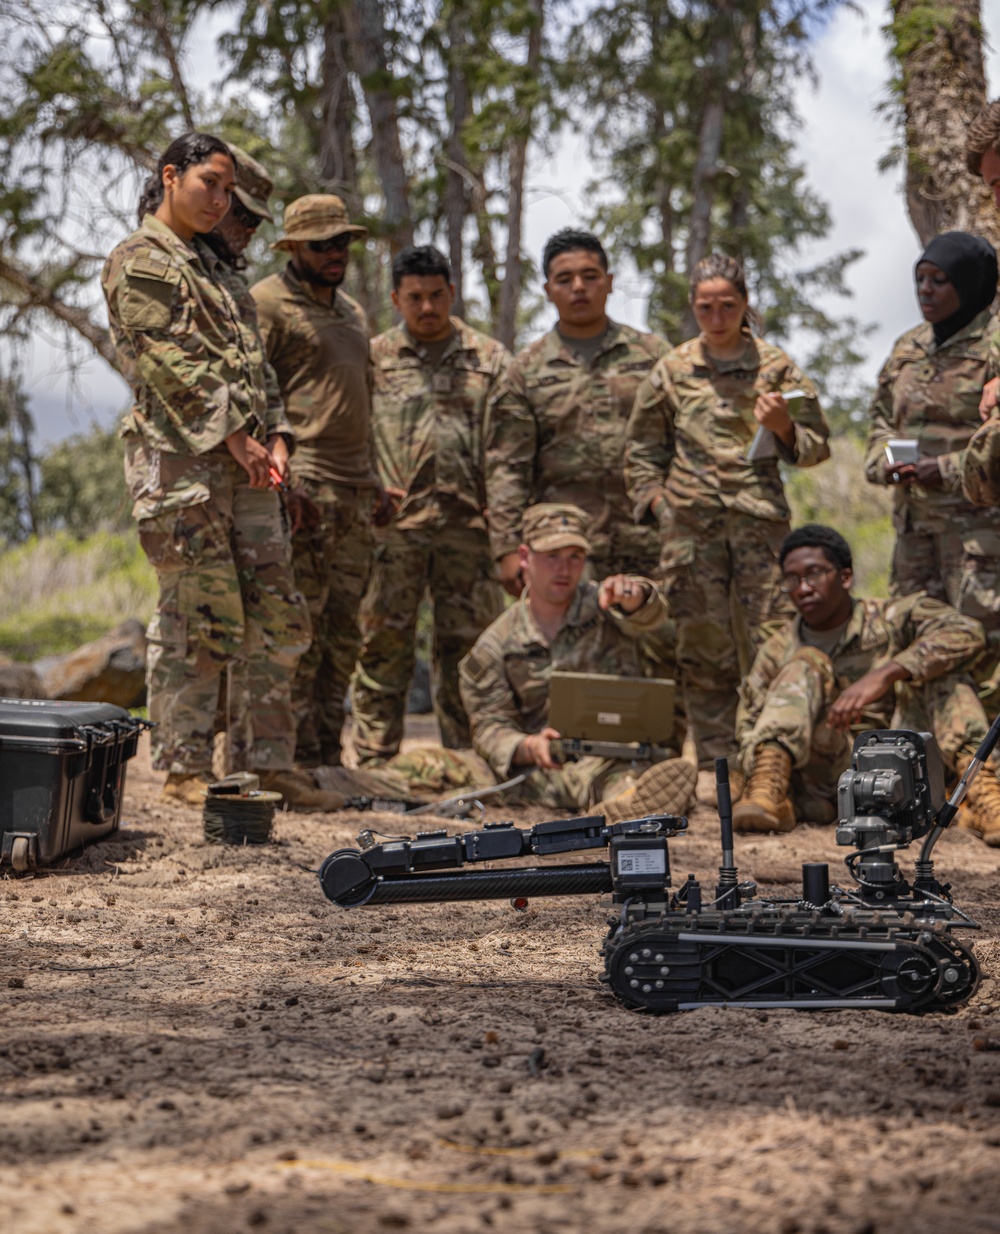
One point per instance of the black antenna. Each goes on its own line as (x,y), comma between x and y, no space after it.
(727,894)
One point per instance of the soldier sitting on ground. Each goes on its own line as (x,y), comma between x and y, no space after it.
(844,665)
(561,622)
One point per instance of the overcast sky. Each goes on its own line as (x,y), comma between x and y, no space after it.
(840,144)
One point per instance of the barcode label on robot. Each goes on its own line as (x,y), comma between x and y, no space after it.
(609,717)
(642,861)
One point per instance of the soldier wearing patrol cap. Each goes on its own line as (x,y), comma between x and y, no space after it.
(317,340)
(563,622)
(228,240)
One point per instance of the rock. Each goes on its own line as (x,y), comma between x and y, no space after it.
(110,670)
(19,680)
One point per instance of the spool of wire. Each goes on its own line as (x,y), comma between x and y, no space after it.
(238,812)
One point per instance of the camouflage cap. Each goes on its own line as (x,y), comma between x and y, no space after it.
(253,185)
(550,526)
(317,216)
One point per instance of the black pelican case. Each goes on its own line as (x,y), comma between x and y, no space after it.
(62,774)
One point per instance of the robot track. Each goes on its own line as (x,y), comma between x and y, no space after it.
(679,962)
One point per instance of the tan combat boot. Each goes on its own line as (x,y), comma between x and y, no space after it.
(980,812)
(765,805)
(185,788)
(300,792)
(665,788)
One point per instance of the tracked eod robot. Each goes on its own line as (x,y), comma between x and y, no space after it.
(886,942)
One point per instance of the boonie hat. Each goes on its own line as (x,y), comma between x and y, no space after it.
(253,185)
(317,216)
(550,526)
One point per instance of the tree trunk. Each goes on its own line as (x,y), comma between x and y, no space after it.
(939,47)
(510,290)
(156,18)
(483,250)
(365,21)
(457,174)
(709,149)
(338,166)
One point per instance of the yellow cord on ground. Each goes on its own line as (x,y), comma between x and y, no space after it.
(352,1170)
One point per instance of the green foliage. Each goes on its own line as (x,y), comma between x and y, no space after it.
(81,485)
(77,487)
(16,476)
(915,26)
(650,74)
(837,493)
(60,592)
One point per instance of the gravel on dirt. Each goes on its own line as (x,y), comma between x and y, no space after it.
(194,1041)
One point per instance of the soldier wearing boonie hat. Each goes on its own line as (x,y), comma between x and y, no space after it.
(317,216)
(550,526)
(316,337)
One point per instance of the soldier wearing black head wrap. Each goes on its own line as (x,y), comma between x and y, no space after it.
(928,395)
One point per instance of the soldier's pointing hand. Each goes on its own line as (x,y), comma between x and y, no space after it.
(624,590)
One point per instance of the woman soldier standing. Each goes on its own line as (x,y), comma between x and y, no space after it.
(722,519)
(201,468)
(928,394)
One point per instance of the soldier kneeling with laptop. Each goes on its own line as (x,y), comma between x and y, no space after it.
(559,686)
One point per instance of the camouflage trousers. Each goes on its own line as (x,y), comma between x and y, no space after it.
(958,562)
(794,716)
(454,565)
(227,604)
(575,786)
(721,576)
(332,566)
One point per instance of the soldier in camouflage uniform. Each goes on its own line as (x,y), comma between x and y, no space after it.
(556,425)
(228,240)
(199,456)
(929,391)
(316,337)
(433,375)
(722,519)
(561,622)
(842,666)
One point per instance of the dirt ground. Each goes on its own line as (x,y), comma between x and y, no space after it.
(194,1040)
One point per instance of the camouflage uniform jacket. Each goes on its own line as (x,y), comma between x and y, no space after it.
(193,361)
(504,680)
(275,419)
(693,421)
(321,355)
(932,394)
(556,432)
(981,465)
(428,424)
(926,637)
(981,462)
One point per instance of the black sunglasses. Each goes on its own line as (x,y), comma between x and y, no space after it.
(341,242)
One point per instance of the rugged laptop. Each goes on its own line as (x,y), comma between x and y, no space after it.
(600,707)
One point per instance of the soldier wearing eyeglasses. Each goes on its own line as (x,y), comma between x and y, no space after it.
(843,665)
(316,337)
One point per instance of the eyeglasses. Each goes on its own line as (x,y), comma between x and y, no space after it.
(792,582)
(331,244)
(245,217)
